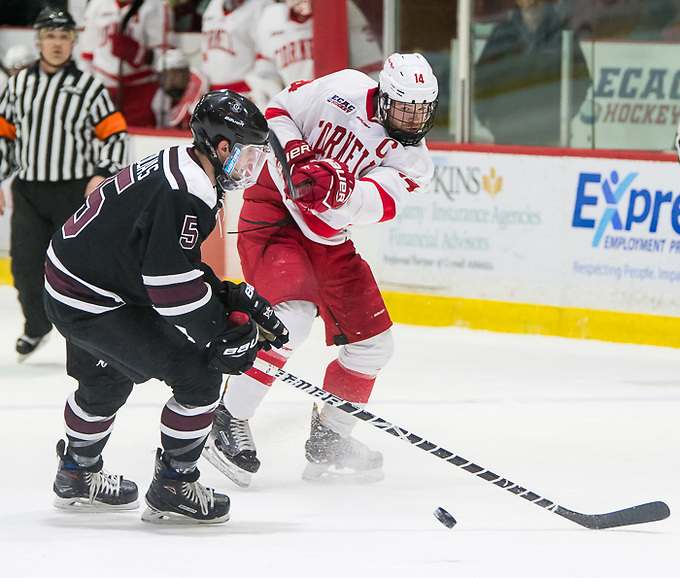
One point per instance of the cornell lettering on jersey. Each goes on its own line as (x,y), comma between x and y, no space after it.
(295,52)
(336,141)
(219,40)
(107,32)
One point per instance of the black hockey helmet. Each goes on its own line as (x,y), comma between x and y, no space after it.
(227,115)
(54,18)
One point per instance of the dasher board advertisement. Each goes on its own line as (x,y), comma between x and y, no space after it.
(594,233)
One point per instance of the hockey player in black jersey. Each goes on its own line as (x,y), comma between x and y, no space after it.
(126,287)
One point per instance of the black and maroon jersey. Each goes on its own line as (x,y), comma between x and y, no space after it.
(137,241)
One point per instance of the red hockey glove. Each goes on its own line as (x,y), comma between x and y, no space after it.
(298,151)
(322,185)
(129,50)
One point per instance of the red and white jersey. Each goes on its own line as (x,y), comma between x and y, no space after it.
(335,115)
(289,44)
(228,43)
(151,26)
(178,116)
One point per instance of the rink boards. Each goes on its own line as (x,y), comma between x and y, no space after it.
(549,241)
(564,243)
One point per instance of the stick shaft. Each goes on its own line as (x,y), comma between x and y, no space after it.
(650,512)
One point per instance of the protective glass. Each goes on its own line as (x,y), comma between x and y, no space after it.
(245,163)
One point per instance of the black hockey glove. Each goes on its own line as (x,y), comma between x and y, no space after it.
(244,298)
(235,350)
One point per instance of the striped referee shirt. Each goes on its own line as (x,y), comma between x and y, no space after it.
(59,127)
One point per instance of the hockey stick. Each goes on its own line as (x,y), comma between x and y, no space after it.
(136,5)
(280,154)
(650,512)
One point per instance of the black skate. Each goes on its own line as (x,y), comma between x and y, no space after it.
(179,498)
(91,489)
(27,346)
(230,447)
(333,458)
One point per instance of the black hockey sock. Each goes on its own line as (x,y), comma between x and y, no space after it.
(176,470)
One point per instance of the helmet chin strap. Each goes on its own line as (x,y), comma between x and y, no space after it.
(223,181)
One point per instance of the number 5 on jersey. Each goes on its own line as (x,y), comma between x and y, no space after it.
(93,204)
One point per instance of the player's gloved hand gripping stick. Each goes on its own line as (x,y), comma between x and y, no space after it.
(253,326)
(317,185)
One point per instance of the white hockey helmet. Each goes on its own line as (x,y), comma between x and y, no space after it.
(408,97)
(18,57)
(171,59)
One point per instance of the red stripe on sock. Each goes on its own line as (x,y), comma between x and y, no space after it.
(272,357)
(350,385)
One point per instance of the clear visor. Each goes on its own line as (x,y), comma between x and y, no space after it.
(245,163)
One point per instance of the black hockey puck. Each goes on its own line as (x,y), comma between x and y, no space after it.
(445,518)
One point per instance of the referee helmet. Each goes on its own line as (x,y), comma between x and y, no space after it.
(54,19)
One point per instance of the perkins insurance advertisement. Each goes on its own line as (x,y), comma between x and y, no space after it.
(562,231)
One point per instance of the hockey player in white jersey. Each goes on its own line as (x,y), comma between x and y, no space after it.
(122,56)
(228,44)
(285,36)
(181,87)
(356,152)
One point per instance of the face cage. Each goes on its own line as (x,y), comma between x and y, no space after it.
(243,166)
(179,83)
(413,125)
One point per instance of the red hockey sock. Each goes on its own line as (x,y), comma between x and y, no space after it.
(272,357)
(350,385)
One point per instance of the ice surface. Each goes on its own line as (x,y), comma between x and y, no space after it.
(592,426)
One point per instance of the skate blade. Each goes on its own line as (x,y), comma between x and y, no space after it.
(329,474)
(84,505)
(234,473)
(153,516)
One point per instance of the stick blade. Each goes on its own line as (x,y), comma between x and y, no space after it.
(650,512)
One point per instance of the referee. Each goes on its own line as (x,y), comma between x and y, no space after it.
(62,136)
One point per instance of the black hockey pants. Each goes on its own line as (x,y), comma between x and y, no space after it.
(110,352)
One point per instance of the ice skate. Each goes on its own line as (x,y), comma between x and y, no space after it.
(230,447)
(333,458)
(27,346)
(91,489)
(179,498)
